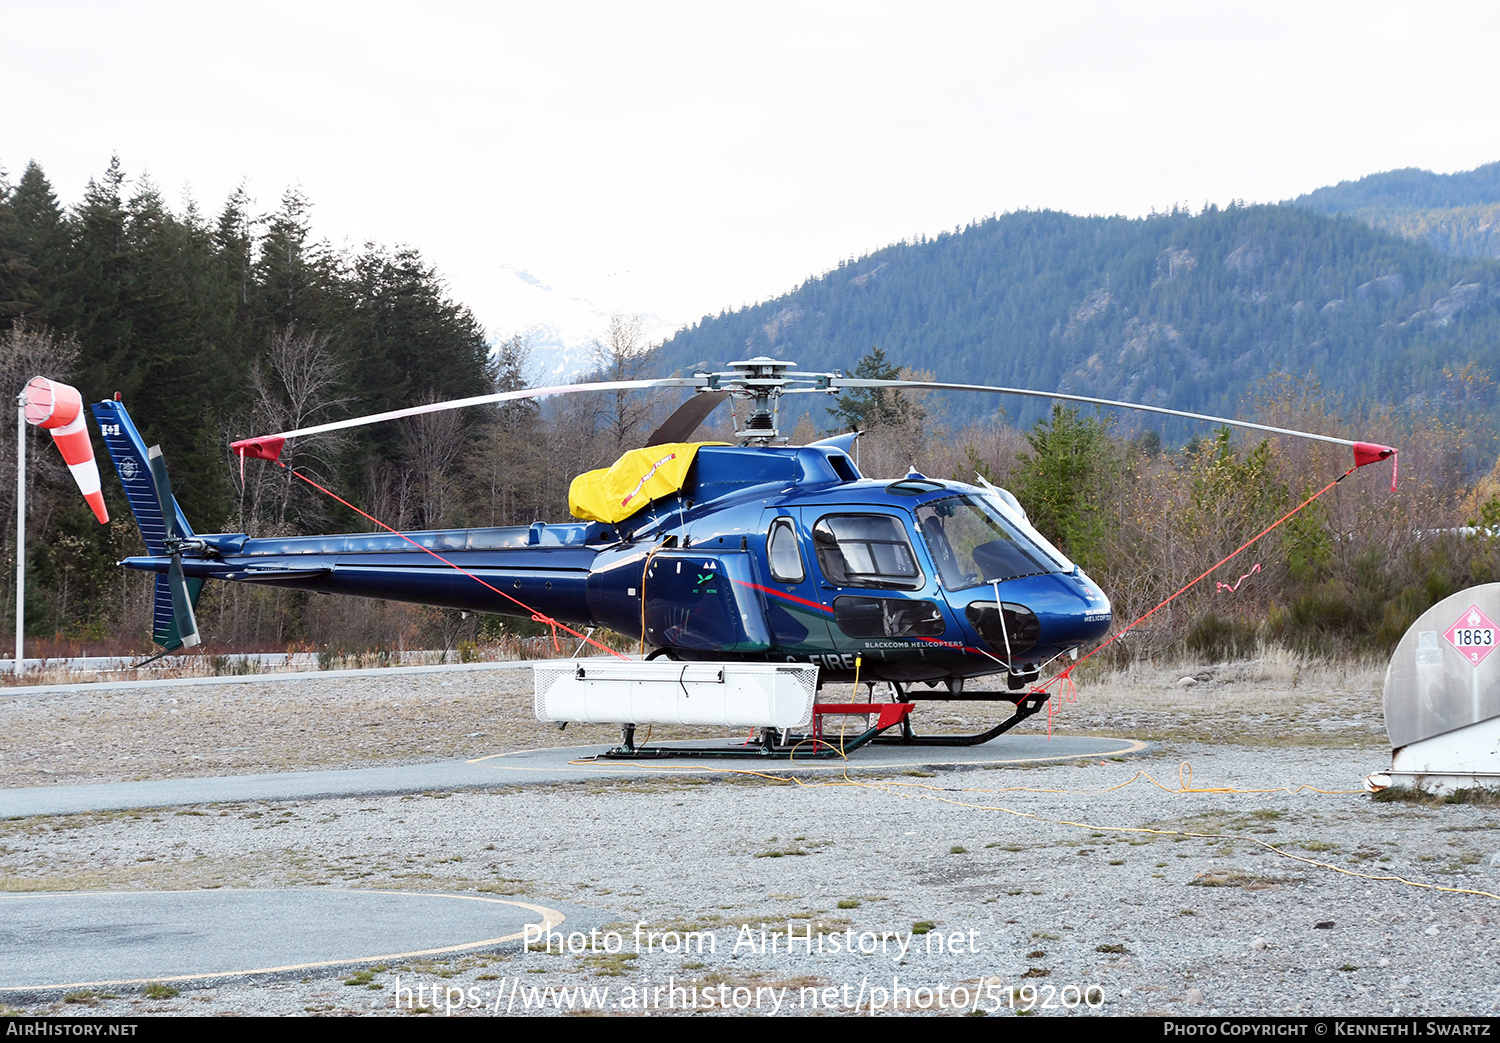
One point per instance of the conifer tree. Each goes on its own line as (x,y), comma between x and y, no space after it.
(41,239)
(17,294)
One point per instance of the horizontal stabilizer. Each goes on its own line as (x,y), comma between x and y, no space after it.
(260,575)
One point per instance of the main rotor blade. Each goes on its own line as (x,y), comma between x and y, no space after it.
(841,382)
(268,447)
(687,418)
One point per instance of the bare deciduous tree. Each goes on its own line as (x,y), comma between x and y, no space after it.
(508,469)
(624,355)
(27,353)
(295,385)
(431,444)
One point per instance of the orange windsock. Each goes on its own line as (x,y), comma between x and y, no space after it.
(58,408)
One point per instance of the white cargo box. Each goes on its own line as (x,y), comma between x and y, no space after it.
(730,695)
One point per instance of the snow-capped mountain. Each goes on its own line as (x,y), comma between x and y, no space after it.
(560,328)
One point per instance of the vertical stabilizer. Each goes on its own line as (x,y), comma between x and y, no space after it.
(128,452)
(132,463)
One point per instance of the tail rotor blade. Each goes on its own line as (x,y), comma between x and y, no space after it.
(182,600)
(163,491)
(182,604)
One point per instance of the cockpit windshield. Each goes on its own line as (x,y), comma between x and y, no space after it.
(974,542)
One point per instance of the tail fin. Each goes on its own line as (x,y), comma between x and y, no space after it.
(132,463)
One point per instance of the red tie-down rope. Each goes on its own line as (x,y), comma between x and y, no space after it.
(1066,675)
(1219,588)
(536,617)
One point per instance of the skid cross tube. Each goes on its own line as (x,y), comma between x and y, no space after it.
(1029,704)
(814,745)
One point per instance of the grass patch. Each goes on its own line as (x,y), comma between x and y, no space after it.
(1411,795)
(923,927)
(157,991)
(610,965)
(1239,878)
(88,997)
(849,903)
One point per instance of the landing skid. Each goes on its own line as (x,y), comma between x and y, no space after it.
(1027,706)
(770,743)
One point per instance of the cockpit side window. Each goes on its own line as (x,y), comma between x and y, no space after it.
(866,550)
(781,549)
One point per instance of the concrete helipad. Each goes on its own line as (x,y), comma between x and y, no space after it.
(56,941)
(528,767)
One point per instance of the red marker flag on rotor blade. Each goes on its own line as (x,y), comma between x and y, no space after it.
(58,409)
(266,448)
(1371,453)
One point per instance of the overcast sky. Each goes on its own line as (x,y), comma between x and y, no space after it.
(680,159)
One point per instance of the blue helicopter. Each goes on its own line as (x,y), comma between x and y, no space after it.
(758,552)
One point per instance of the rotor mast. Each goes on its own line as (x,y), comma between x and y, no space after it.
(760,382)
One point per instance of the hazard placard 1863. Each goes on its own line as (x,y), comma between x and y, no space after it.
(1473,635)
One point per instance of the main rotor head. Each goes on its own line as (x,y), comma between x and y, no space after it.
(760,382)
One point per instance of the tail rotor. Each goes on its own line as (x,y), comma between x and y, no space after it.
(182,597)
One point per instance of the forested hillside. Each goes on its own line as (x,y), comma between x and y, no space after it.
(178,311)
(1184,310)
(1408,188)
(1455,213)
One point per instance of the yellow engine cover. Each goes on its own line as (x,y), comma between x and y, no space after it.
(614,493)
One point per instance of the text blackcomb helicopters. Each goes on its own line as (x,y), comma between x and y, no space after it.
(752,552)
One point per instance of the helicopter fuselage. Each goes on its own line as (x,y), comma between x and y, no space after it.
(765,554)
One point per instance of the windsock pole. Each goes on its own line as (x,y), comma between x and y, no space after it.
(58,409)
(21,534)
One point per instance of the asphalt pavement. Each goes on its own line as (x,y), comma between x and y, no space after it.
(528,767)
(111,939)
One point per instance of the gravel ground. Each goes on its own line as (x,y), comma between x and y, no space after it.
(1045,877)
